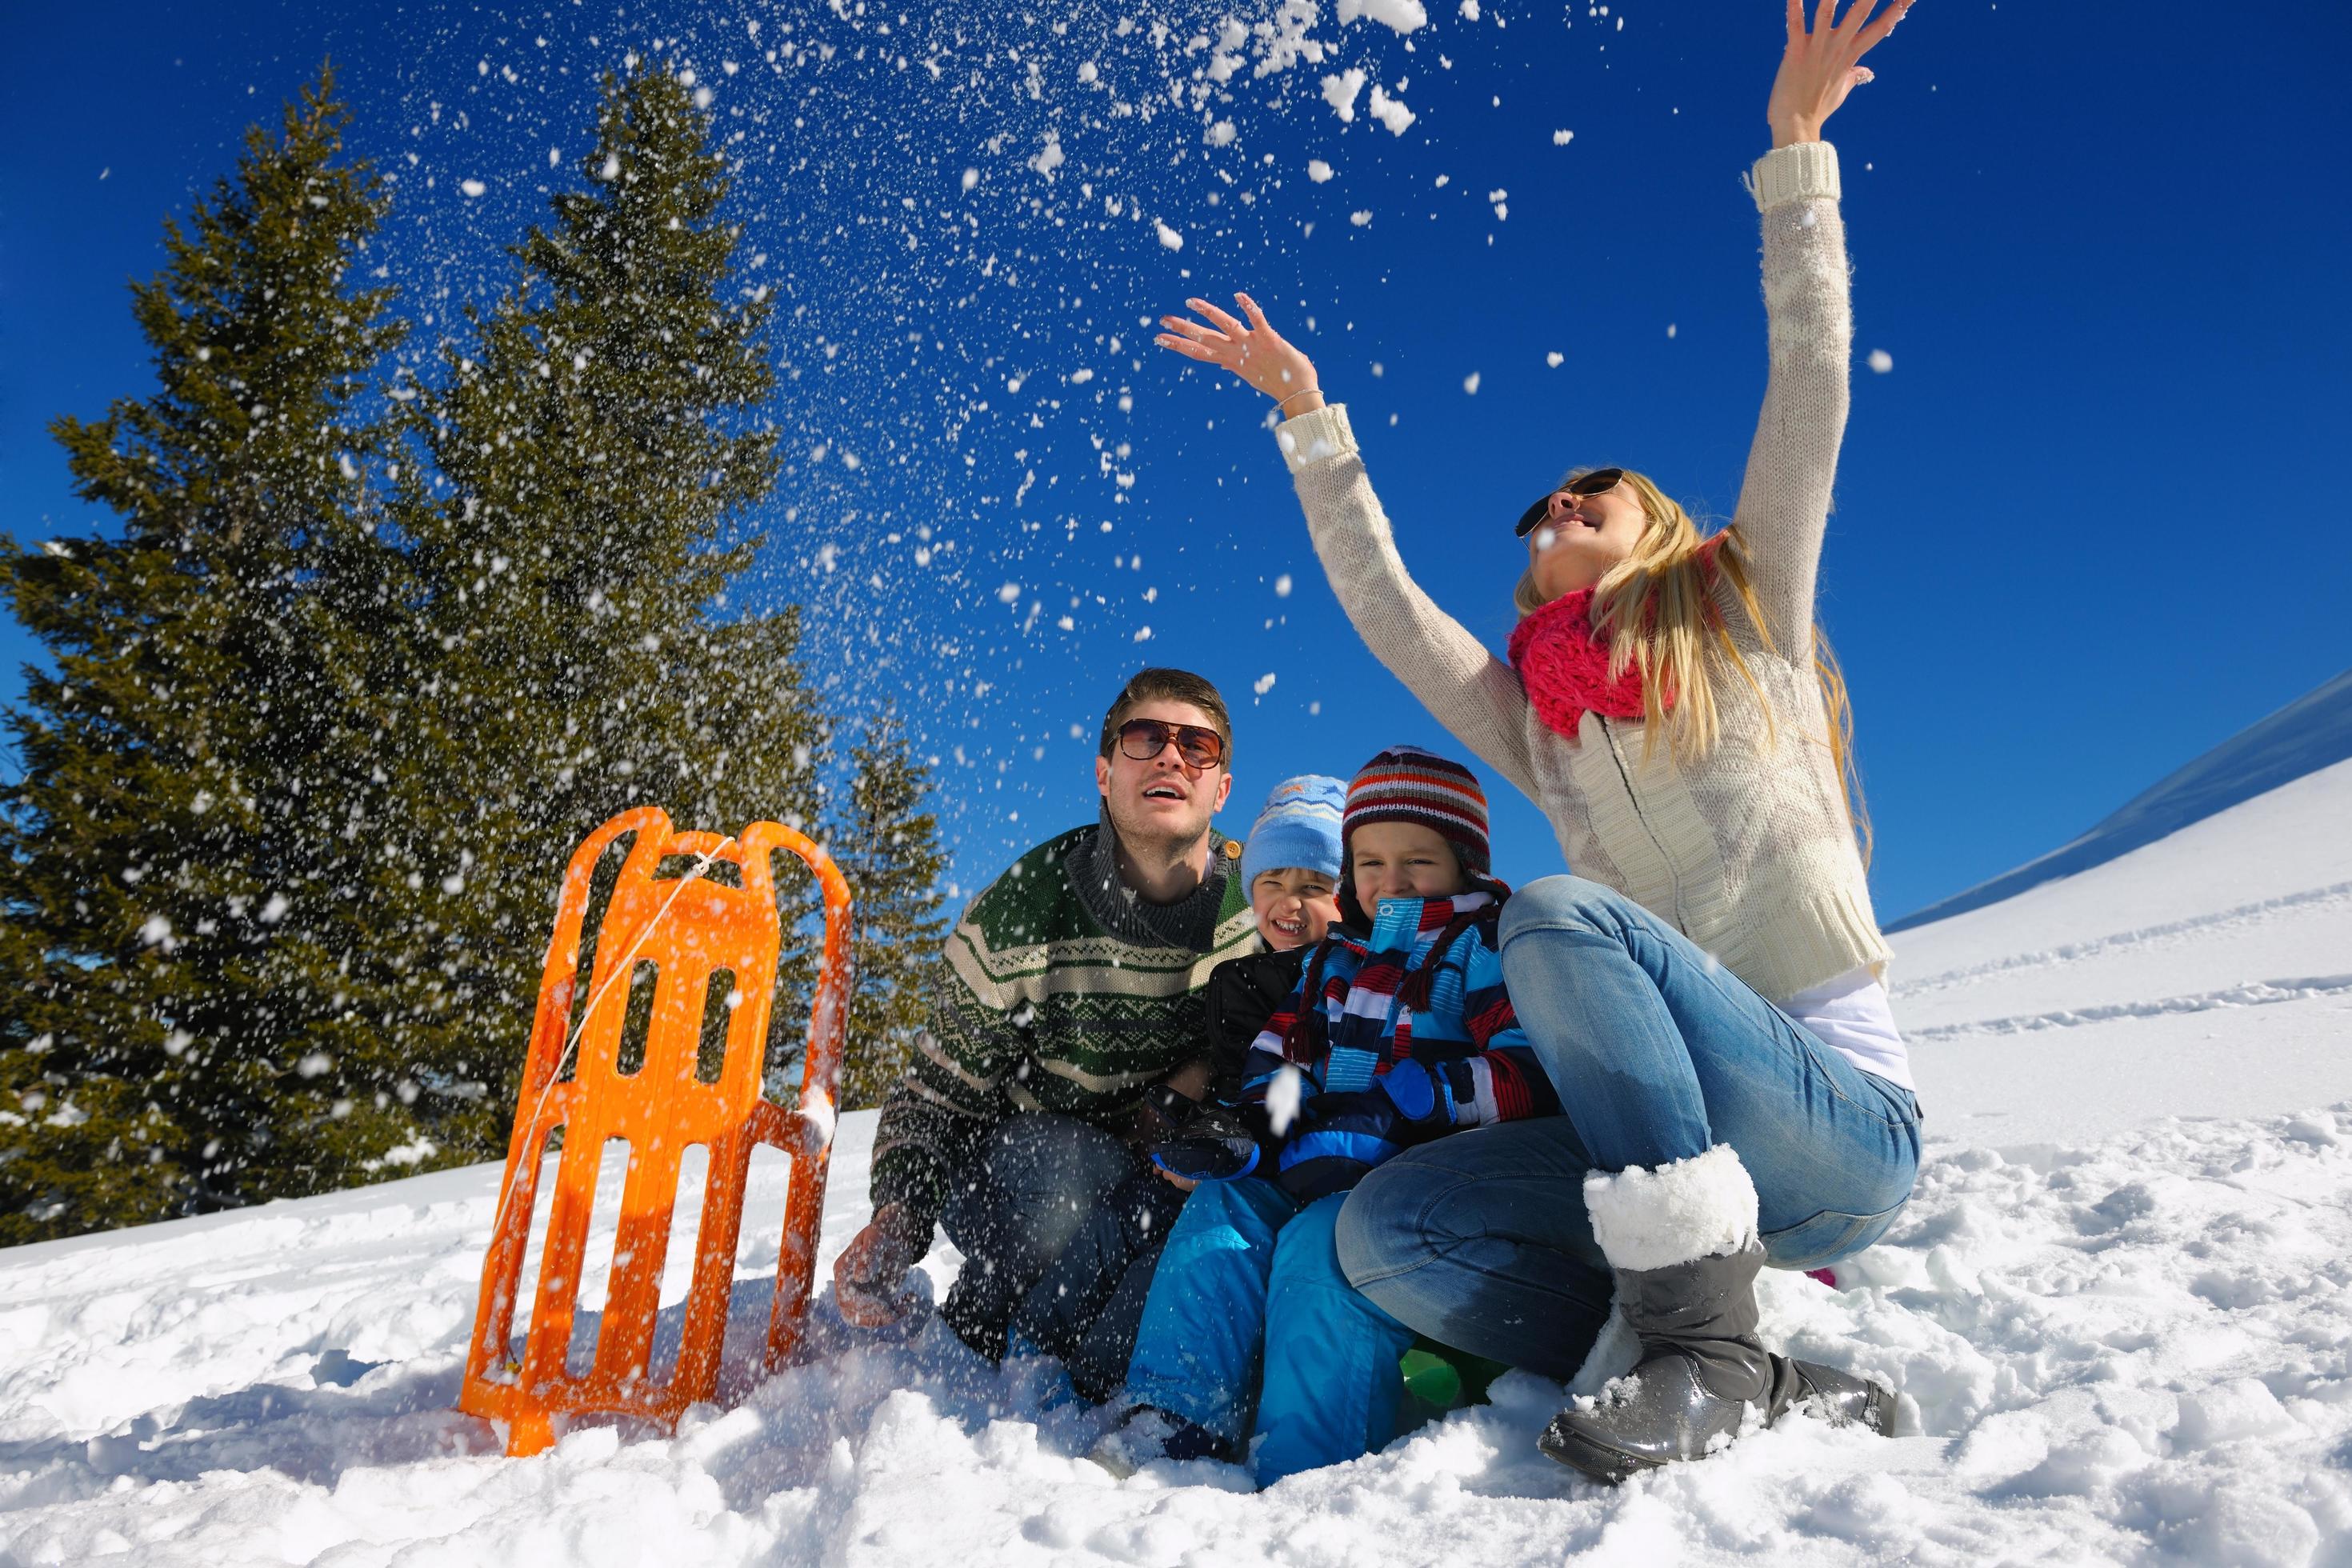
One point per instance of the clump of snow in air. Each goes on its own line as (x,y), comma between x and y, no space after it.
(1404,16)
(1361,219)
(1049,157)
(1340,92)
(1469,10)
(1282,586)
(1142,634)
(1263,684)
(1470,384)
(1282,1098)
(1881,361)
(970,178)
(472,187)
(1555,359)
(1168,237)
(1009,593)
(1670,328)
(1391,111)
(1562,138)
(1318,170)
(1498,198)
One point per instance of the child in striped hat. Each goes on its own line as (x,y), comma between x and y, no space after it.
(1400,1032)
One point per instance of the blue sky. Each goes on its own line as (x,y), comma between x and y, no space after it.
(2086,523)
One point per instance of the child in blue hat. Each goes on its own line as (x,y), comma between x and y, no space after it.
(1085,1308)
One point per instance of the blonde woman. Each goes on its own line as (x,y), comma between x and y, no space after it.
(1705,992)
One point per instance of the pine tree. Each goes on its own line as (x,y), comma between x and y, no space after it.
(888,848)
(175,888)
(594,449)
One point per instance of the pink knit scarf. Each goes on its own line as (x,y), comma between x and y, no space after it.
(1565,668)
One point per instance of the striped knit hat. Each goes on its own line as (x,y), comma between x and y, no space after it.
(1405,784)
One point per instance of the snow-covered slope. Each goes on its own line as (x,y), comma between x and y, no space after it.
(2207,973)
(2127,1338)
(2312,733)
(2142,1354)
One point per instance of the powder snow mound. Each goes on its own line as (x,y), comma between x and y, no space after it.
(2132,1352)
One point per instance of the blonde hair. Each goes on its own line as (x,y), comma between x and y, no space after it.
(1656,610)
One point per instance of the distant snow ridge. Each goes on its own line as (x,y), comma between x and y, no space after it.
(2312,733)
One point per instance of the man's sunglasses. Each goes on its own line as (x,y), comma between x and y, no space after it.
(1598,481)
(1143,740)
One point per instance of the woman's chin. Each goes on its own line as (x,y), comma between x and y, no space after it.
(1559,585)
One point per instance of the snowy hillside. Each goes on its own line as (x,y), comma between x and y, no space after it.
(2312,733)
(2128,1340)
(2208,974)
(2144,1352)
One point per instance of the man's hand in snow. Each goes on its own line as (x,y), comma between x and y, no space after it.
(870,1275)
(1255,351)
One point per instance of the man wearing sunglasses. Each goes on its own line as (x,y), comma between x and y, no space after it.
(1068,1004)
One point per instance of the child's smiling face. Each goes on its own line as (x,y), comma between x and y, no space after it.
(1293,906)
(1401,860)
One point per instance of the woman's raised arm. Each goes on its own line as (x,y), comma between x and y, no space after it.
(1466,688)
(1784,502)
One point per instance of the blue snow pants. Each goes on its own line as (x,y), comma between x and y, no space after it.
(1250,1296)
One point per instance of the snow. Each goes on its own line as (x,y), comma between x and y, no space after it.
(1391,111)
(1340,92)
(2309,733)
(2210,971)
(1402,15)
(2120,1307)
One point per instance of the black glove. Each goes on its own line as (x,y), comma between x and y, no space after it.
(1167,1110)
(1215,1145)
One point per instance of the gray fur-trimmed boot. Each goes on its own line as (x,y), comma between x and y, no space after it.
(1682,1240)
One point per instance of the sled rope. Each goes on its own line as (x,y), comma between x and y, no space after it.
(628,959)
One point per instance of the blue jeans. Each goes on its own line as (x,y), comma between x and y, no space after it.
(1039,1179)
(1249,1277)
(1658,1052)
(1084,1310)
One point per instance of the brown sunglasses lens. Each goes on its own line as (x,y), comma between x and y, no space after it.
(1141,740)
(1598,482)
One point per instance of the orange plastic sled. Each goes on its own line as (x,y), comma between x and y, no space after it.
(688,927)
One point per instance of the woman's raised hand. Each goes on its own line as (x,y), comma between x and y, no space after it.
(1818,68)
(1252,351)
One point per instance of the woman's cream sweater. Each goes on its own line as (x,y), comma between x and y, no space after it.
(1748,850)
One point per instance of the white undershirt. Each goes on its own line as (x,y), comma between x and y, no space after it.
(1852,1016)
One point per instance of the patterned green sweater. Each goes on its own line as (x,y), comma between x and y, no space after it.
(1060,991)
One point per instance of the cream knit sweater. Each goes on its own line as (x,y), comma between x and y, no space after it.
(1747,850)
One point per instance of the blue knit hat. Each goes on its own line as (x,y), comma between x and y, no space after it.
(1297,826)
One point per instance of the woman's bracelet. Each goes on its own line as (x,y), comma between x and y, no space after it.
(1284,403)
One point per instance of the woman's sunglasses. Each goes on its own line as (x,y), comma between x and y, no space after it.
(1141,740)
(1598,481)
